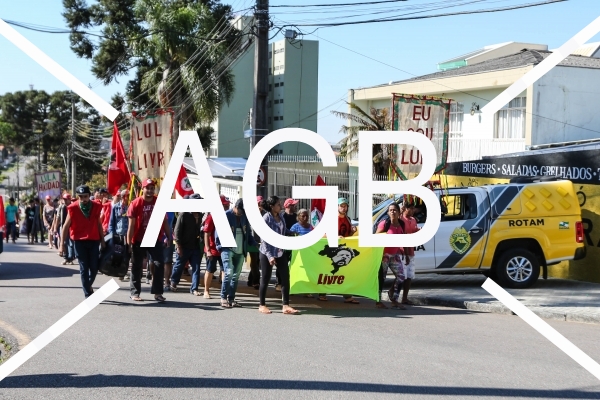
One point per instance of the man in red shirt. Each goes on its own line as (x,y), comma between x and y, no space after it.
(106,208)
(84,228)
(139,213)
(213,256)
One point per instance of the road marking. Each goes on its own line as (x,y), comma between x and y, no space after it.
(542,327)
(542,68)
(21,337)
(59,72)
(58,328)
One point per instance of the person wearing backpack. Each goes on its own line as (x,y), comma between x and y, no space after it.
(392,256)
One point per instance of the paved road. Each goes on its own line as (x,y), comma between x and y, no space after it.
(190,347)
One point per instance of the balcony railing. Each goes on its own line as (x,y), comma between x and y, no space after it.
(461,149)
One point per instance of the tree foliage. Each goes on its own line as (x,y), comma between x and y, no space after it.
(156,38)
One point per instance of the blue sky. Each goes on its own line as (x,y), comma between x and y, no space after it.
(413,46)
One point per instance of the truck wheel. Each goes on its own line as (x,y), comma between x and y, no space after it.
(518,268)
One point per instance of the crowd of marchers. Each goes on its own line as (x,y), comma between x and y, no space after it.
(77,228)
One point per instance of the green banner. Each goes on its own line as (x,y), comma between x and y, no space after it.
(346,269)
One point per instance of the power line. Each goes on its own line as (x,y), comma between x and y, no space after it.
(339,4)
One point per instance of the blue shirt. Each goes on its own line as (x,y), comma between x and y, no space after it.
(300,230)
(10,212)
(118,219)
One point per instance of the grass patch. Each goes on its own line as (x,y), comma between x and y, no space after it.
(6,348)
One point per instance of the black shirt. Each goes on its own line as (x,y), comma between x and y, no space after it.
(290,219)
(187,231)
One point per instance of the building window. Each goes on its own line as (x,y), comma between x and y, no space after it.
(457,114)
(276,101)
(281,84)
(276,84)
(276,118)
(510,120)
(269,87)
(280,101)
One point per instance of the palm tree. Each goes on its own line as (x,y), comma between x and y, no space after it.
(195,89)
(375,120)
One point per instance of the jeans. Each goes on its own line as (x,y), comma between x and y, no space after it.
(139,253)
(70,255)
(266,269)
(193,256)
(232,265)
(88,253)
(11,229)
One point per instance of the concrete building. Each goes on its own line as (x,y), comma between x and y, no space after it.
(293,97)
(559,107)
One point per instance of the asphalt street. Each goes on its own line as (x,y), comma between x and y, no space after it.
(190,347)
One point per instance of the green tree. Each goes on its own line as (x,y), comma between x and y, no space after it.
(374,120)
(156,38)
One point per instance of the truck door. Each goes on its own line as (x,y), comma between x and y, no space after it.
(461,239)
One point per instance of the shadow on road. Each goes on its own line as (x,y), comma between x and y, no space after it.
(134,381)
(13,271)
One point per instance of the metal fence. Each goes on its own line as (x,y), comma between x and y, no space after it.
(281,180)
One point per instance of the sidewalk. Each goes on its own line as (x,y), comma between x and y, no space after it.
(557,299)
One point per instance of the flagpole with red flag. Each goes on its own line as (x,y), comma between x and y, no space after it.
(183,185)
(118,170)
(317,206)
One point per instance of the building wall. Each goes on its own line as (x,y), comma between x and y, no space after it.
(566,97)
(297,68)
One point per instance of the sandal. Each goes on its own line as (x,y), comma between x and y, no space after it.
(398,306)
(291,311)
(196,293)
(380,305)
(235,304)
(173,288)
(322,298)
(408,302)
(159,298)
(352,301)
(207,296)
(225,303)
(135,298)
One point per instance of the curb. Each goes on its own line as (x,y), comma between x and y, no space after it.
(498,308)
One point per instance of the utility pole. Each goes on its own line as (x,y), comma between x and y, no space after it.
(73,166)
(261,82)
(18,184)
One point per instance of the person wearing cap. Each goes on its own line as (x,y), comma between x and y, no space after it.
(188,244)
(139,213)
(59,221)
(271,256)
(233,257)
(254,275)
(119,222)
(83,226)
(345,229)
(213,256)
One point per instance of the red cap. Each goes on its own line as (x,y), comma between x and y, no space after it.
(225,200)
(259,199)
(148,182)
(289,202)
(66,196)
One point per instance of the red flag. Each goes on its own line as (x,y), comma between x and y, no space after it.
(183,185)
(118,171)
(3,217)
(318,204)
